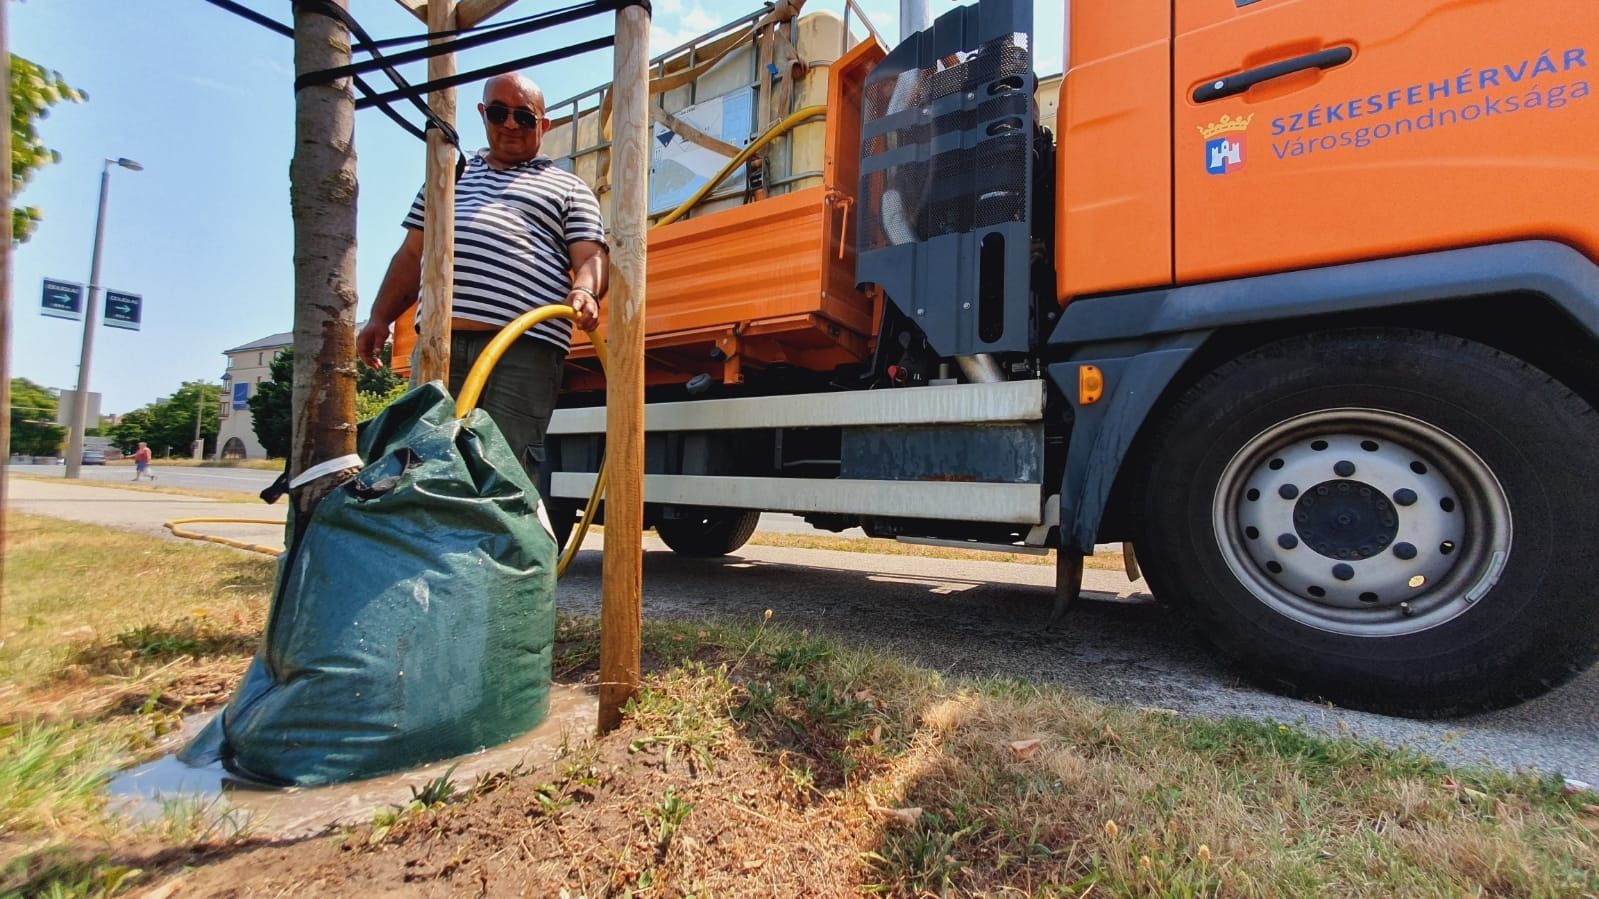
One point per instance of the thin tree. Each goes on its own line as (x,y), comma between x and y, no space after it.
(5,305)
(322,188)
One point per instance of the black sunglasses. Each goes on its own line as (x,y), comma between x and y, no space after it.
(497,113)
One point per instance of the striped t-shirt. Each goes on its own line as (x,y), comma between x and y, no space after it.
(512,228)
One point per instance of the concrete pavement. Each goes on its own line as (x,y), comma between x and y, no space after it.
(142,510)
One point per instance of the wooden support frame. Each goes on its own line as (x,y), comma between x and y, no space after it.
(622,579)
(438,214)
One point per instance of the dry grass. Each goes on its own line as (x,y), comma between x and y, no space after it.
(108,640)
(74,589)
(256,464)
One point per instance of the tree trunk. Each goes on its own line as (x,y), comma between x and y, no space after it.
(5,300)
(322,191)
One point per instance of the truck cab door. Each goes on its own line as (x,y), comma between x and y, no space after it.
(1310,132)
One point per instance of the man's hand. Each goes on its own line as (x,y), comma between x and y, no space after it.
(588,310)
(369,343)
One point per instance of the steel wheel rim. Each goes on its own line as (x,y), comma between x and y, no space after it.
(1362,522)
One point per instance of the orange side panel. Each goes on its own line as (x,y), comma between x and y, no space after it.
(727,273)
(753,262)
(404,342)
(1451,124)
(1114,225)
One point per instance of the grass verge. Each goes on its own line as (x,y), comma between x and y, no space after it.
(759,761)
(256,464)
(109,639)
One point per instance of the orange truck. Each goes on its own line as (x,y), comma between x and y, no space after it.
(1298,297)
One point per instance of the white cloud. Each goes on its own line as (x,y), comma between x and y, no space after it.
(213,84)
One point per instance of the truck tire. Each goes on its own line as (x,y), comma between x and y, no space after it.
(706,533)
(1392,520)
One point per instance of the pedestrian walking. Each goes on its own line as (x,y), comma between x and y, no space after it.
(141,462)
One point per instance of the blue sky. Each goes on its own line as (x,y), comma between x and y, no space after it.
(203,100)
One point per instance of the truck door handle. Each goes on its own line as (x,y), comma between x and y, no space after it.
(1243,81)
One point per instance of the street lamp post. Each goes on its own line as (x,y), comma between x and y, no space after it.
(80,409)
(222,401)
(196,450)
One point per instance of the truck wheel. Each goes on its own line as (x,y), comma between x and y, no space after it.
(1372,517)
(708,532)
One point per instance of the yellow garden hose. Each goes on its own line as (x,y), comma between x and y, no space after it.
(177,531)
(472,388)
(788,124)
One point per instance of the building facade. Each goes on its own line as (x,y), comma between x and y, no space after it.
(248,366)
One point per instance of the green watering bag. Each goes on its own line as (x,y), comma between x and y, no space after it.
(413,617)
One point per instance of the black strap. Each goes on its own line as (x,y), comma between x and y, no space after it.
(473,38)
(279,28)
(496,69)
(338,14)
(464,38)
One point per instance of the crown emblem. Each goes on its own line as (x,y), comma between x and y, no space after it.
(1227,123)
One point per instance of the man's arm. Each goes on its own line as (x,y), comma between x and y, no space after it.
(591,274)
(398,291)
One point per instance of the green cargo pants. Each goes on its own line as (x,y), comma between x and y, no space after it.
(521,392)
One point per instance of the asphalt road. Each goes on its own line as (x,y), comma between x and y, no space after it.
(243,480)
(977,618)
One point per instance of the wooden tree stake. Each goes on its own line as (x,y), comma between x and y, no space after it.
(622,580)
(438,216)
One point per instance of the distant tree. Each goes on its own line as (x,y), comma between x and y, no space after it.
(167,424)
(272,407)
(34,89)
(33,415)
(133,427)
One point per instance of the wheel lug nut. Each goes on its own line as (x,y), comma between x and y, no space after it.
(1343,572)
(1288,491)
(1344,468)
(1287,541)
(1405,496)
(1404,551)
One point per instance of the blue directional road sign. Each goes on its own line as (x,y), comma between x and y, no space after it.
(123,310)
(62,299)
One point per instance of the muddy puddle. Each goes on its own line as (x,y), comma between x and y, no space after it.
(147,792)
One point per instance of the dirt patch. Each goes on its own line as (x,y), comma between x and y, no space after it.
(610,818)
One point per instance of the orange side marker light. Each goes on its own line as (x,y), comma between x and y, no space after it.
(1090,384)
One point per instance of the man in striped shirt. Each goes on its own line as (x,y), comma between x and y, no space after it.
(527,234)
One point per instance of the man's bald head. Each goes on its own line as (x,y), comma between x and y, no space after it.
(512,97)
(514,83)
